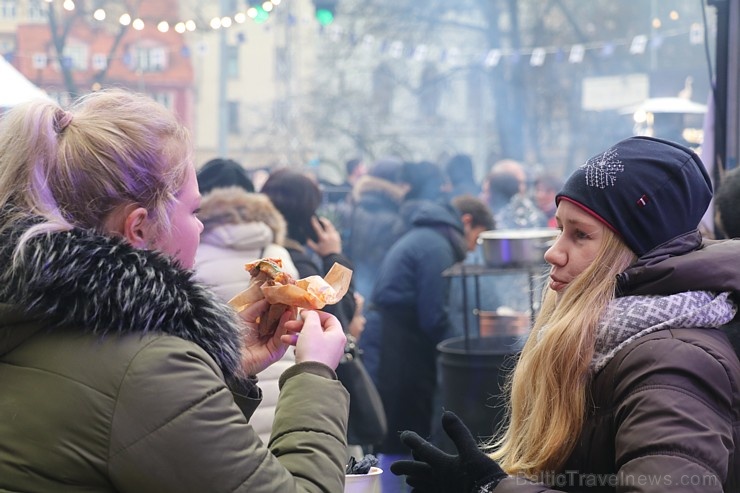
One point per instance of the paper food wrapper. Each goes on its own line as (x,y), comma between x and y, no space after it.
(312,292)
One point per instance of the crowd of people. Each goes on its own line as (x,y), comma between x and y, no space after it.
(125,369)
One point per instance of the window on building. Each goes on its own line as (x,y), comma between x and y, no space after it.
(150,58)
(430,92)
(232,61)
(158,59)
(39,61)
(280,111)
(164,98)
(383,85)
(233,118)
(37,10)
(99,61)
(8,9)
(7,45)
(474,93)
(76,55)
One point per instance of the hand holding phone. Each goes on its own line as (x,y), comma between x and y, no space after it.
(327,239)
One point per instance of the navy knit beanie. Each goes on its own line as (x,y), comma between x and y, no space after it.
(647,190)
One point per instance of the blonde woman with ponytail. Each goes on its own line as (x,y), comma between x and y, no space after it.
(627,382)
(118,371)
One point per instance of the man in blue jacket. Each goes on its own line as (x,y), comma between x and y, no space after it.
(408,315)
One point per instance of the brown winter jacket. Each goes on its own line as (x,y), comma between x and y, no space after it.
(665,413)
(118,373)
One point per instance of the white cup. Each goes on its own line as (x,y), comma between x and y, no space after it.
(363,483)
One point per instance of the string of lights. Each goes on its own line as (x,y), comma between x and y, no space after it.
(258,12)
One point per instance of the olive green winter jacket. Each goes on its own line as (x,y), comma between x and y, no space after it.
(113,377)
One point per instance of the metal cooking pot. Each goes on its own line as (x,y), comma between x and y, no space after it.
(495,324)
(516,247)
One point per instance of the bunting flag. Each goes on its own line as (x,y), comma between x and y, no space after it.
(537,56)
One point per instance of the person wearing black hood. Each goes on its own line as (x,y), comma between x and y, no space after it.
(372,221)
(408,317)
(459,169)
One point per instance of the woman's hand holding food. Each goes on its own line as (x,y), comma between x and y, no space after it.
(269,306)
(317,336)
(260,352)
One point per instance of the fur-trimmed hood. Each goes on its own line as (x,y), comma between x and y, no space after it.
(368,184)
(233,205)
(103,285)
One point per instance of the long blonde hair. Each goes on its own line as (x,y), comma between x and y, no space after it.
(72,168)
(548,387)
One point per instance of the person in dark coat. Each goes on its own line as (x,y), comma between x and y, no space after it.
(425,181)
(312,241)
(505,192)
(727,207)
(372,222)
(459,169)
(407,316)
(627,381)
(546,187)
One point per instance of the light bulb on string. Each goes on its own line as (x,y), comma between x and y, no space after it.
(163,26)
(138,24)
(180,27)
(125,19)
(99,15)
(226,22)
(190,25)
(240,17)
(267,6)
(215,23)
(68,5)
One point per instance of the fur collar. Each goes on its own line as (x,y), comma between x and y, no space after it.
(368,184)
(232,205)
(83,279)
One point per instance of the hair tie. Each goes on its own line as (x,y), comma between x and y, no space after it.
(62,119)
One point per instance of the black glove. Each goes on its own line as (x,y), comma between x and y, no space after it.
(434,471)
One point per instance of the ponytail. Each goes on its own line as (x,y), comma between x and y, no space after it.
(72,168)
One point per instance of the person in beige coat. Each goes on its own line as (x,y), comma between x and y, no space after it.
(239,227)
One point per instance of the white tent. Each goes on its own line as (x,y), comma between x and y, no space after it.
(14,87)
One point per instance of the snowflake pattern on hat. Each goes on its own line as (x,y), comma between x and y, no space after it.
(601,171)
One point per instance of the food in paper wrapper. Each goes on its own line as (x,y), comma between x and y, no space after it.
(270,282)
